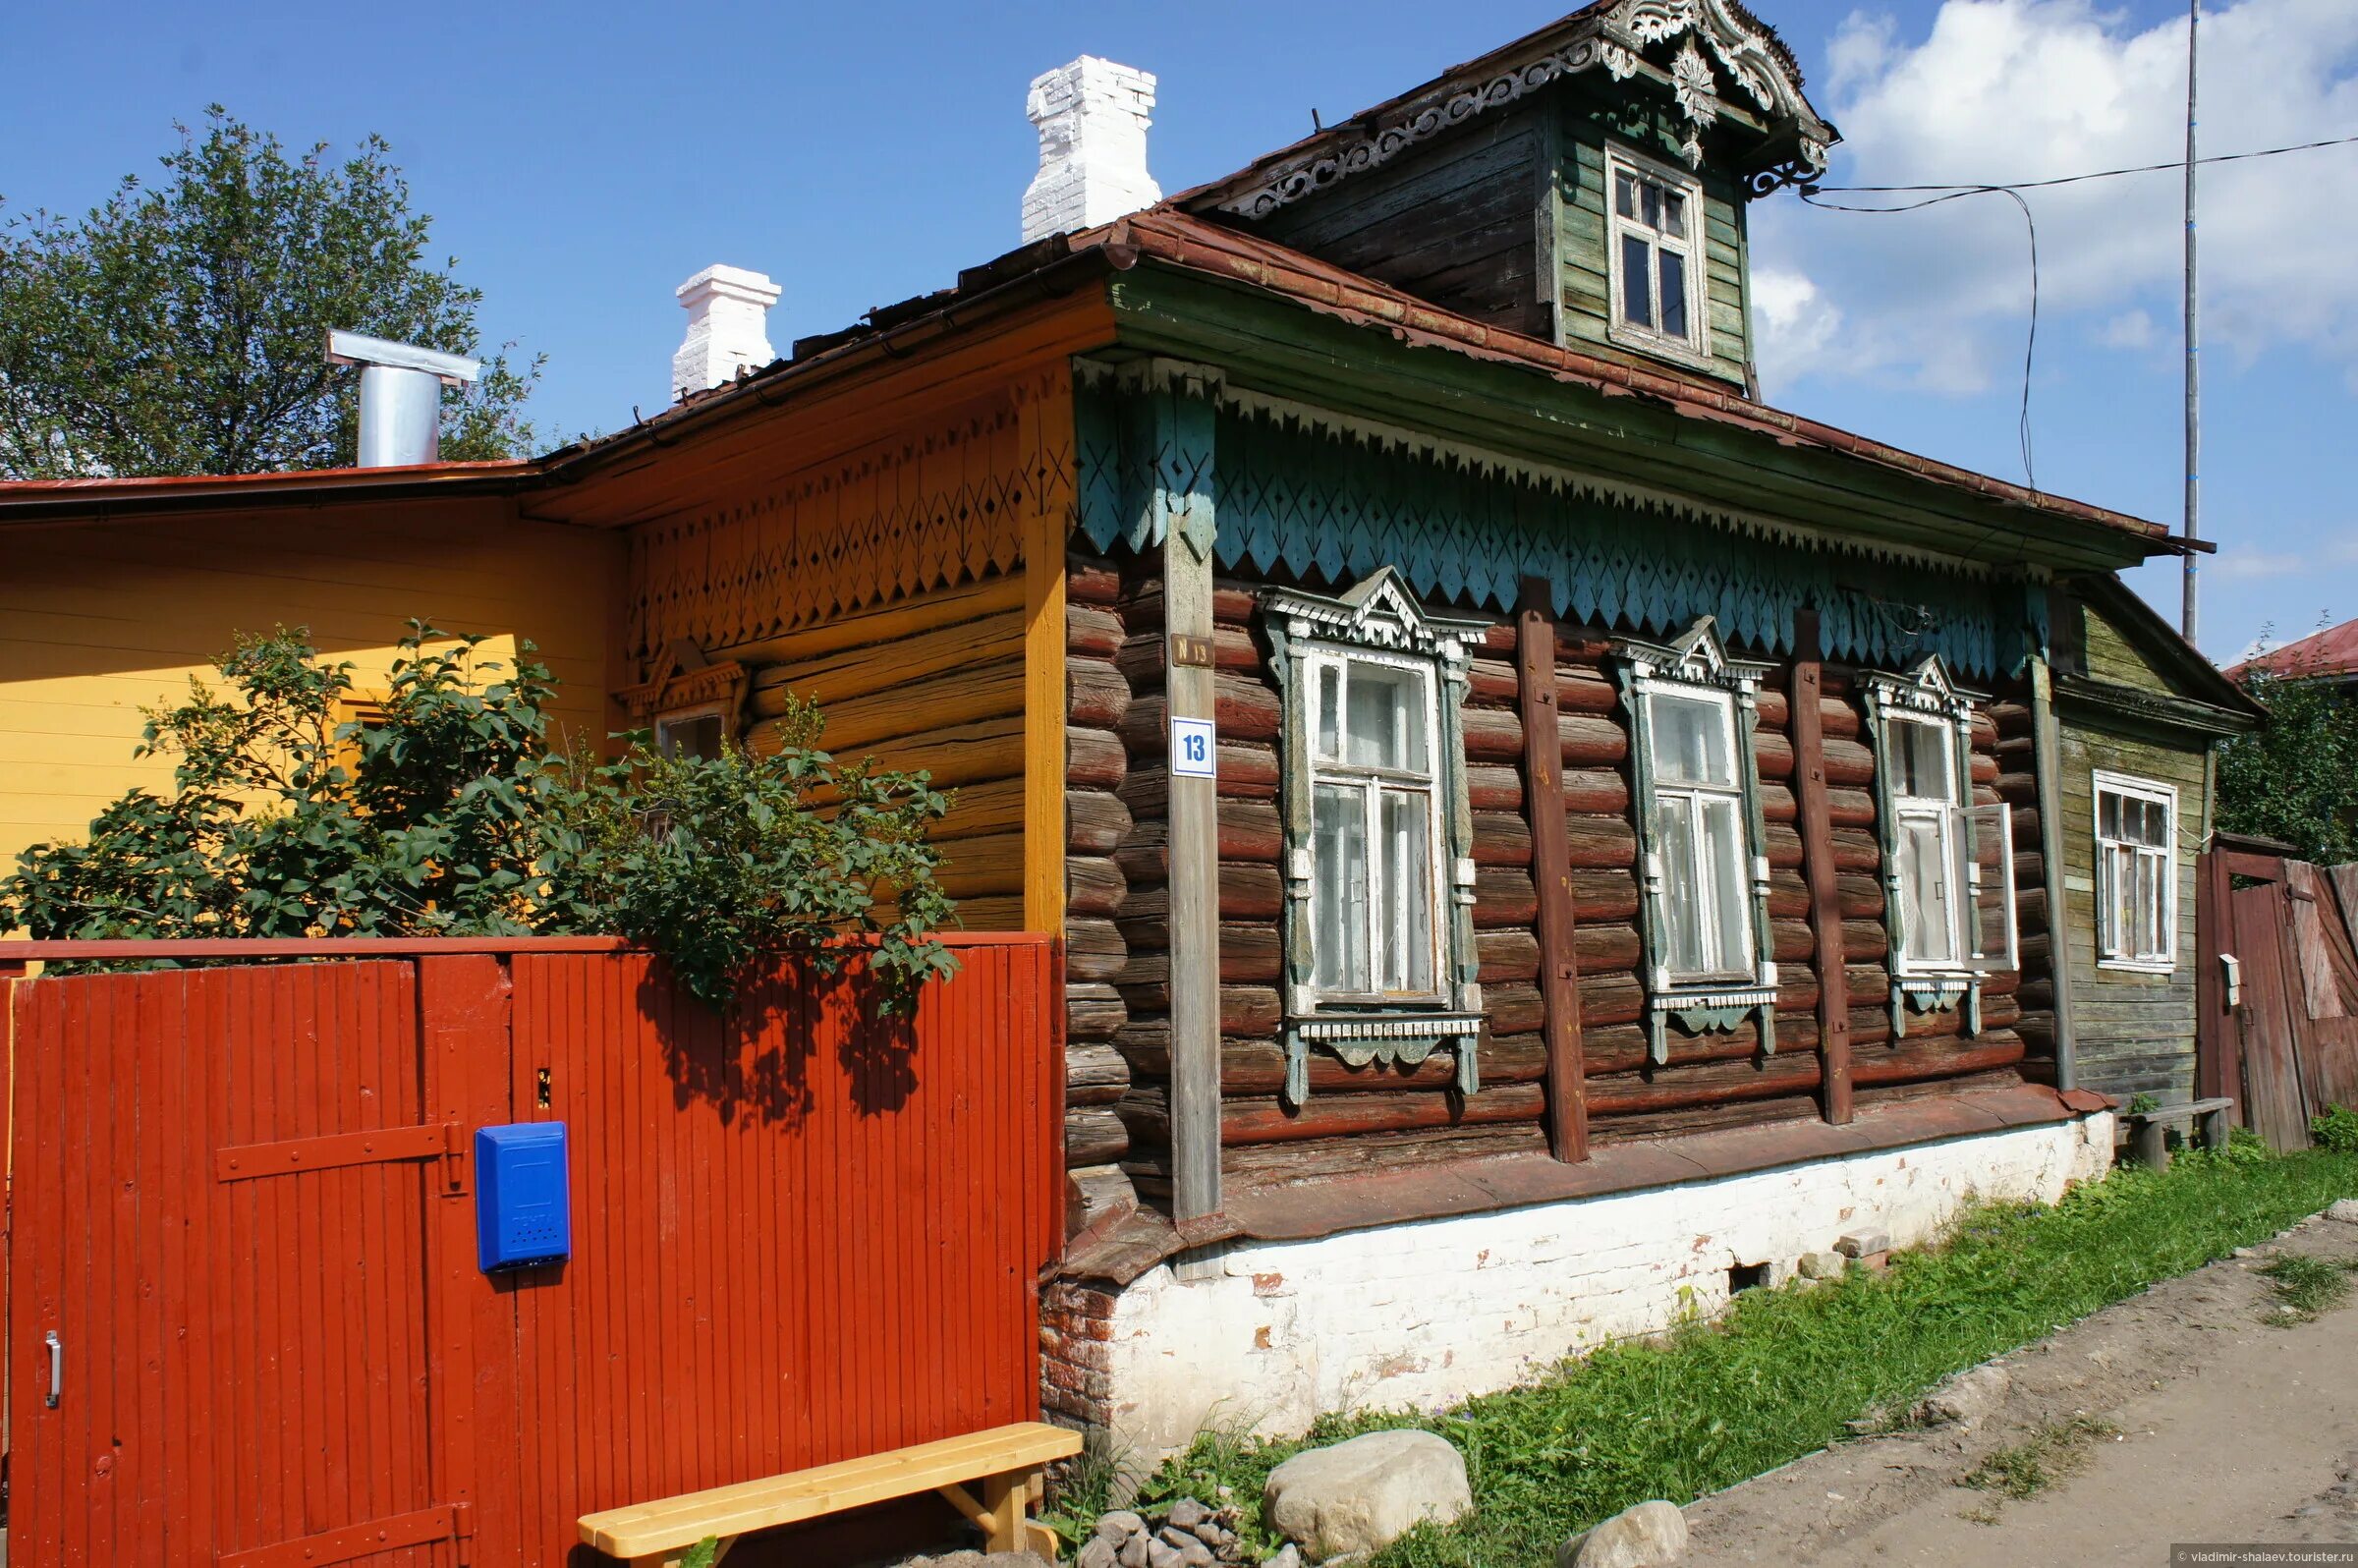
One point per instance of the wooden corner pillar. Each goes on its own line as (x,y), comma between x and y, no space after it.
(2047,758)
(1551,869)
(1046,412)
(1807,717)
(1182,494)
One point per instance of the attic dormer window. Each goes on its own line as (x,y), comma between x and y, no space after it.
(1654,215)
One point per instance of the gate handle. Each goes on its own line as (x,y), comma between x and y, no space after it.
(57,1367)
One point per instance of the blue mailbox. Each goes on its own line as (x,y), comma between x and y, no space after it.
(522,1208)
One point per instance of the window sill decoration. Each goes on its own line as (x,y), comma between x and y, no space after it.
(1381,615)
(1697,665)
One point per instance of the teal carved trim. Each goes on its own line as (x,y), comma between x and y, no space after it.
(1394,1040)
(1310,500)
(1698,663)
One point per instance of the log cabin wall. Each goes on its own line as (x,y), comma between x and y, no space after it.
(888,582)
(1376,1116)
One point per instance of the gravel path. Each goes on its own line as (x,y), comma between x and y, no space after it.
(2226,1430)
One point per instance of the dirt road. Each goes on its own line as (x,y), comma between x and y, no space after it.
(2196,1422)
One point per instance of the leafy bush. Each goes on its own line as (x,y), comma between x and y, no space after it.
(2337,1129)
(2296,778)
(452,816)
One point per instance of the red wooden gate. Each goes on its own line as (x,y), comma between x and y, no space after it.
(243,1208)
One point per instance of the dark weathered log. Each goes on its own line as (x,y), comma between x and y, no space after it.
(1094,760)
(1093,885)
(1792,941)
(1092,631)
(1915,1060)
(1627,1093)
(1600,842)
(1097,1196)
(1788,893)
(1248,831)
(1491,682)
(1095,697)
(1094,1135)
(1591,740)
(1856,850)
(1616,998)
(1705,1118)
(1621,1047)
(1860,895)
(1093,950)
(1605,895)
(1093,1075)
(1095,822)
(1255,1067)
(1512,1009)
(1507,956)
(1242,707)
(1492,735)
(1494,787)
(1865,941)
(1093,1009)
(1586,690)
(1503,895)
(1500,839)
(1090,580)
(1329,1158)
(1599,790)
(1257,1120)
(1604,948)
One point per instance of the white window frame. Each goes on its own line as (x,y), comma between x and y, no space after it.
(683,718)
(1698,876)
(1696,347)
(2153,792)
(1949,813)
(1374,784)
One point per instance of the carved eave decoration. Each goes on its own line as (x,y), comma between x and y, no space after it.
(1721,64)
(685,678)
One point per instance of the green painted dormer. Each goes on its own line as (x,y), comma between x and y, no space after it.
(1585,185)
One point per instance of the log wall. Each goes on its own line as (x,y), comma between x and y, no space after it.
(1376,1116)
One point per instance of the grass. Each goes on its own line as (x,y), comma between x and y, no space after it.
(2028,1468)
(1779,1377)
(2306,1286)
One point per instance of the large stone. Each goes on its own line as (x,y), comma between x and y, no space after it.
(2344,1210)
(1097,1552)
(1187,1513)
(1653,1535)
(1362,1496)
(1967,1399)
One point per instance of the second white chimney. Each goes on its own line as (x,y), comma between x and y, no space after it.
(728,328)
(1093,117)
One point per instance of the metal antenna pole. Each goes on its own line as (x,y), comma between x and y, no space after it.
(2194,374)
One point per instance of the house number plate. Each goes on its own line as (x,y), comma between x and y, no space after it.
(1195,748)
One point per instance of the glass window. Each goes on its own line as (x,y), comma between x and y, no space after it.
(1698,817)
(1930,839)
(1376,873)
(690,734)
(1658,279)
(2136,874)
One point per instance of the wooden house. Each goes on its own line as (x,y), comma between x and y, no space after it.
(1543,839)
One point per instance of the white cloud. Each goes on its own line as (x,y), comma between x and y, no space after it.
(1796,322)
(2237,563)
(2131,329)
(2027,90)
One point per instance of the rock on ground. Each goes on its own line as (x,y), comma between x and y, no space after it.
(1361,1495)
(1968,1398)
(975,1560)
(2344,1210)
(1653,1535)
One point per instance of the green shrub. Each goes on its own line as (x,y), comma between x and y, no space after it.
(452,816)
(2337,1129)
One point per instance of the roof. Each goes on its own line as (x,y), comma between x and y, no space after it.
(2329,654)
(2191,674)
(98,500)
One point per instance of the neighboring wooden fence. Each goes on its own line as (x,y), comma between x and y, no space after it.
(244,1210)
(2286,1046)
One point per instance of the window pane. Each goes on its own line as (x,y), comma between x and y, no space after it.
(1725,860)
(1331,713)
(1386,718)
(1924,891)
(1338,897)
(2156,826)
(2108,814)
(1651,215)
(1674,294)
(690,737)
(1920,761)
(1690,740)
(1407,958)
(1637,304)
(1674,213)
(1625,196)
(1682,895)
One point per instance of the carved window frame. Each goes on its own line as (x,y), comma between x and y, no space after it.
(1928,696)
(1695,348)
(1379,619)
(1697,665)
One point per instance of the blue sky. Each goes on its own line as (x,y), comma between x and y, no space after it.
(580,160)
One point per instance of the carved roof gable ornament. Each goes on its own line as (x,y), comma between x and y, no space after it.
(1697,657)
(1379,612)
(1925,687)
(1758,66)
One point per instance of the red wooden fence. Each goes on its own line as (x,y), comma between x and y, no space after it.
(243,1205)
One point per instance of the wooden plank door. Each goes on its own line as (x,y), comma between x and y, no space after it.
(2274,1106)
(219,1330)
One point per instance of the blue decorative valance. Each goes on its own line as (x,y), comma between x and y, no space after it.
(1300,495)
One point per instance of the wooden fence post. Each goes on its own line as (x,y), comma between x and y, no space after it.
(1808,722)
(1551,869)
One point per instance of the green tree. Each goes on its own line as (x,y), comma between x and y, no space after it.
(2296,778)
(450,816)
(180,327)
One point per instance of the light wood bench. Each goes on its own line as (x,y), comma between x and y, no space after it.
(1005,1461)
(2149,1137)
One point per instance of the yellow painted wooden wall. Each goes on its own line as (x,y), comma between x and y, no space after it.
(100,620)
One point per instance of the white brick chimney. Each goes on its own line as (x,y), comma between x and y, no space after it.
(728,328)
(1092,118)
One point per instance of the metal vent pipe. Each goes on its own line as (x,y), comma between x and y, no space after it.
(400,395)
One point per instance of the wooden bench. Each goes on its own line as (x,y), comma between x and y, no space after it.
(1005,1461)
(2149,1135)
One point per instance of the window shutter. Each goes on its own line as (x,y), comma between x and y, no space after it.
(1989,831)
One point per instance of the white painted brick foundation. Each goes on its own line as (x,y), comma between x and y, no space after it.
(1428,1314)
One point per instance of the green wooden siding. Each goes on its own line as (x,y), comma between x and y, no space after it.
(2111,657)
(1584,315)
